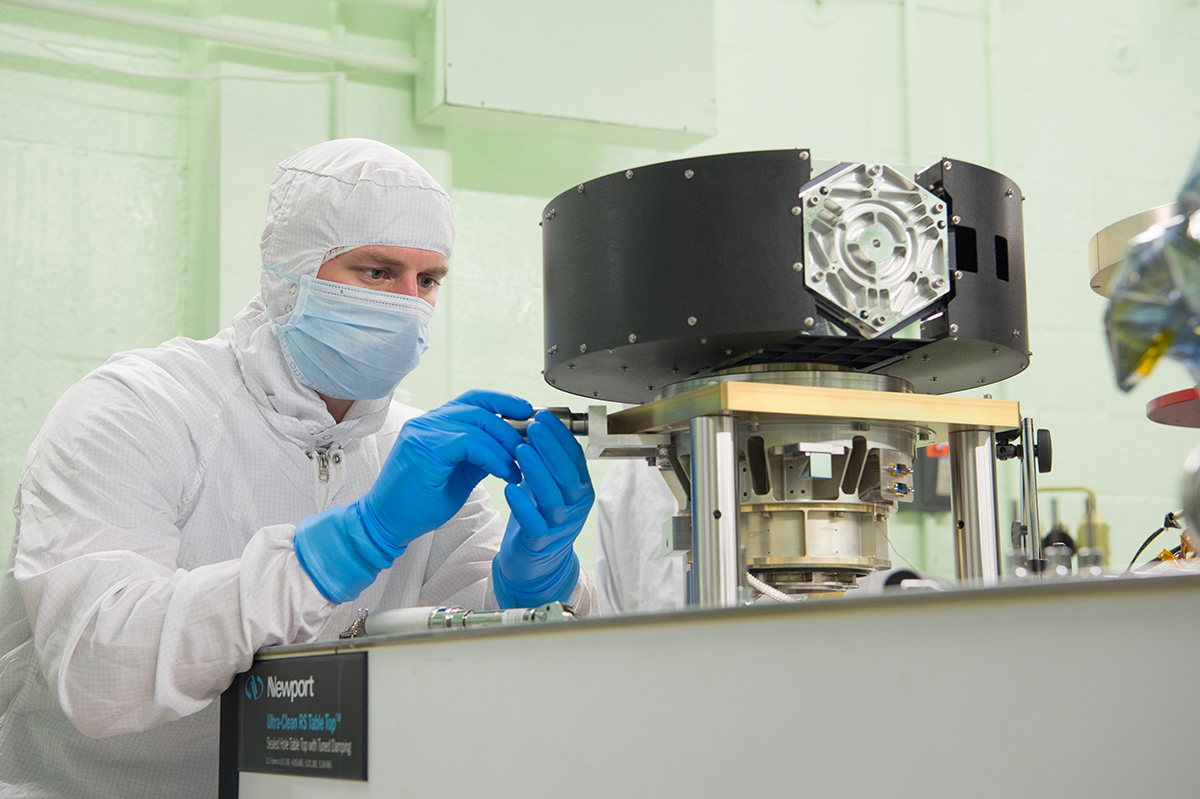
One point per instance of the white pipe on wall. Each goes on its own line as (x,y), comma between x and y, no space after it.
(993,50)
(411,5)
(404,65)
(909,32)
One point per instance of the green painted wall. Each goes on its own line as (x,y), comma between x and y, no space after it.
(94,187)
(133,205)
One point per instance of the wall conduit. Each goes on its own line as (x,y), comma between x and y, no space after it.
(403,65)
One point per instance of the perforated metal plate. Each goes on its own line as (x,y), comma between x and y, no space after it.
(875,246)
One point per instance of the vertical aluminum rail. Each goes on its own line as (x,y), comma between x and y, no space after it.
(715,566)
(973,503)
(1030,492)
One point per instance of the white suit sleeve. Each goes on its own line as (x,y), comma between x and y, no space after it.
(126,638)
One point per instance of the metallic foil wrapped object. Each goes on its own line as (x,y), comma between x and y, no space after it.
(1154,306)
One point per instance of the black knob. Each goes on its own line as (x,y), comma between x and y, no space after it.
(1043,450)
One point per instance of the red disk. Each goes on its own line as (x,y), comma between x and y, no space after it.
(1179,408)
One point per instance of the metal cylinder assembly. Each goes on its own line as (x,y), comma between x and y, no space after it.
(813,497)
(652,277)
(665,280)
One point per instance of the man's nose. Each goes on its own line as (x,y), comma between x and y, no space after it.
(406,285)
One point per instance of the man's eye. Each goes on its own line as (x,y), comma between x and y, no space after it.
(428,282)
(374,274)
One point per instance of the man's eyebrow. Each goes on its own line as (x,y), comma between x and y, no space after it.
(441,270)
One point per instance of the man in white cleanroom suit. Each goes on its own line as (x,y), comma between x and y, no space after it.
(185,506)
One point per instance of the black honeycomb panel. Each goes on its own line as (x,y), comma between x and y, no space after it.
(675,270)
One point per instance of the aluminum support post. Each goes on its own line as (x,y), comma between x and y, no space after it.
(1029,483)
(715,566)
(973,503)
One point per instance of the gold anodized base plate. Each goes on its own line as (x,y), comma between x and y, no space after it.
(774,401)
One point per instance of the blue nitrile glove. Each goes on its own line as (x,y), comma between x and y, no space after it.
(436,462)
(537,563)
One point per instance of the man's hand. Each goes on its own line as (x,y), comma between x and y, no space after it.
(436,462)
(537,561)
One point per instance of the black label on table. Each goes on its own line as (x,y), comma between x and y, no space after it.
(304,715)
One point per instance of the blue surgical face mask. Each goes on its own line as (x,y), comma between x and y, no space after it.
(352,343)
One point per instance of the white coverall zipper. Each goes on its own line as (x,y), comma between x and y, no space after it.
(330,474)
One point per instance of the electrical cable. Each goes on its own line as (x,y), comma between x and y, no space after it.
(886,537)
(1142,548)
(275,77)
(1151,563)
(770,591)
(1168,521)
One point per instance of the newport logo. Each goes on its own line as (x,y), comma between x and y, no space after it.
(254,686)
(290,690)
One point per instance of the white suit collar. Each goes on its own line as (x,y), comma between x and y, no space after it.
(294,410)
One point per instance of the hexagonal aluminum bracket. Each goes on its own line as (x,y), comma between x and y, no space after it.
(875,246)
